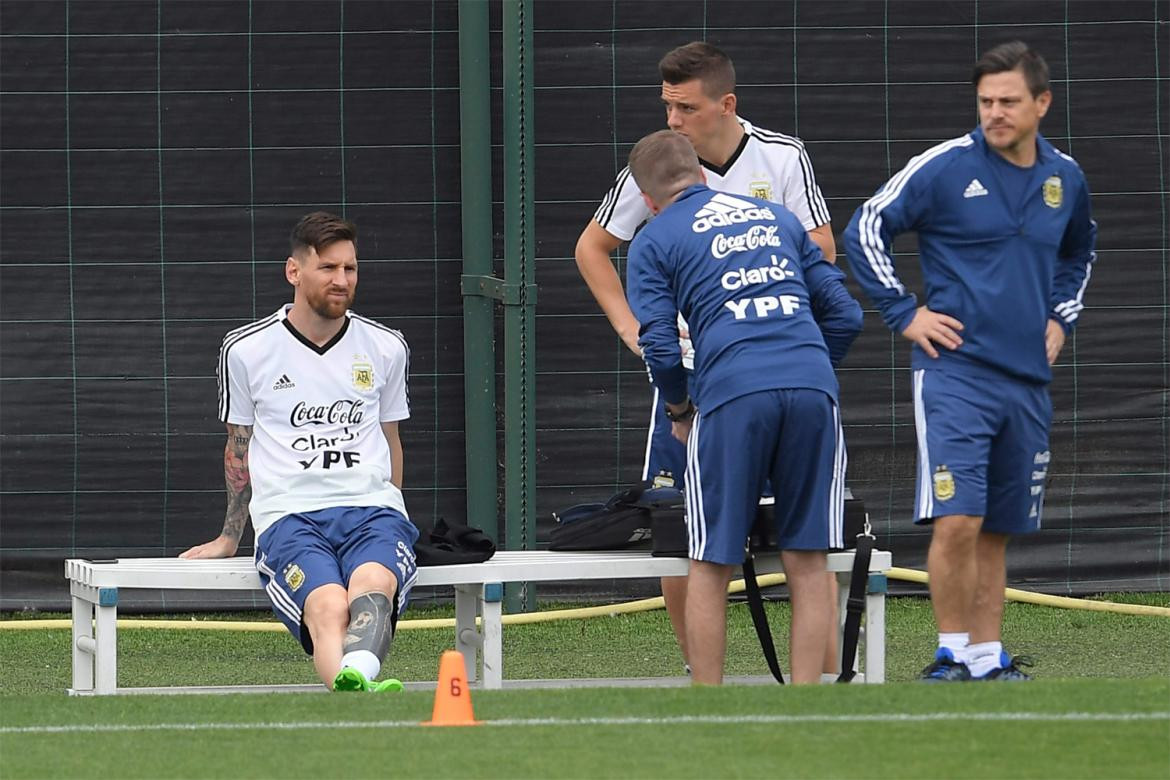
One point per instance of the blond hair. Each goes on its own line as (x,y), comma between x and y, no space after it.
(663,165)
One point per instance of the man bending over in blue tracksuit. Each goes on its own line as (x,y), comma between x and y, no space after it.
(769,318)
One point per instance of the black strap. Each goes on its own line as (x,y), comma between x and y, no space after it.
(854,606)
(759,618)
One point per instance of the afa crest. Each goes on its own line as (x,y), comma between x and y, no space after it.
(1053,192)
(663,479)
(363,376)
(294,576)
(944,484)
(760,189)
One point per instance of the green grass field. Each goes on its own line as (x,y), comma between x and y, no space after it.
(1100,707)
(1058,729)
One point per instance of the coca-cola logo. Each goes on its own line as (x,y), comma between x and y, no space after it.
(340,412)
(755,237)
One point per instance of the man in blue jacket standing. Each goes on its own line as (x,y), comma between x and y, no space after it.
(769,318)
(1005,239)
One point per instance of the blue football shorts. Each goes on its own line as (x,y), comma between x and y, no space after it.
(982,448)
(792,437)
(303,551)
(665,461)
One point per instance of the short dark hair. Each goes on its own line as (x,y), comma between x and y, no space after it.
(318,230)
(1011,56)
(664,164)
(699,60)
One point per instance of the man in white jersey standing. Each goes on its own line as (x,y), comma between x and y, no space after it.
(312,396)
(698,93)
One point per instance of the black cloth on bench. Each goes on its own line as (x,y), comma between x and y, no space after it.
(453,543)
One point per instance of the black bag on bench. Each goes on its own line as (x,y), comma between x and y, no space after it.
(621,523)
(669,528)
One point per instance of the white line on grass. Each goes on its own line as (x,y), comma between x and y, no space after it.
(892,717)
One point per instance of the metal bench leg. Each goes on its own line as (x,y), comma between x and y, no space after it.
(467,639)
(106,642)
(82,645)
(875,629)
(493,635)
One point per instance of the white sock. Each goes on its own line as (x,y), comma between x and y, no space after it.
(983,657)
(956,643)
(364,661)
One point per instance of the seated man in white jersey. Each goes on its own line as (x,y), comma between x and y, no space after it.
(764,391)
(698,93)
(312,396)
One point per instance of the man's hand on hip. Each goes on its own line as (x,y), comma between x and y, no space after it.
(930,327)
(1053,340)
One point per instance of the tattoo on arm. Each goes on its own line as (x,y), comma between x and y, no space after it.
(237,480)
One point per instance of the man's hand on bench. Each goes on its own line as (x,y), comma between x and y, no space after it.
(219,547)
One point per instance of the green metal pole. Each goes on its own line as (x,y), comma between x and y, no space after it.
(519,318)
(479,381)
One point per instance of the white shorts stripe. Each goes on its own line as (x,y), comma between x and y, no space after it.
(696,517)
(837,487)
(926,495)
(281,601)
(404,590)
(650,435)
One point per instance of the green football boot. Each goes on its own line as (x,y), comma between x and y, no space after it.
(350,679)
(388,685)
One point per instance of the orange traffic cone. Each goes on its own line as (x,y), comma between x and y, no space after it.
(452,696)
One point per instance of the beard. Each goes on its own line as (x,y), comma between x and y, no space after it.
(329,307)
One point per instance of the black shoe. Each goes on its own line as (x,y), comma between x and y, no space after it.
(1010,669)
(945,669)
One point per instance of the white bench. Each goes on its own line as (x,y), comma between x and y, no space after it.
(94,586)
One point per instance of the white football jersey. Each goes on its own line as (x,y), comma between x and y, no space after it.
(315,412)
(767,165)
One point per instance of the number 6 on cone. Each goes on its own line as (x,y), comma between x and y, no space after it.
(452,695)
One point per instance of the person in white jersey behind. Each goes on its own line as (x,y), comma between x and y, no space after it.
(312,396)
(698,94)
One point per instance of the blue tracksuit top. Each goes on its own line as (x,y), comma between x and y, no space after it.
(749,280)
(1000,259)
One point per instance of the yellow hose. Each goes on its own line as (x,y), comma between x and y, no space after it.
(521,618)
(1044,600)
(641,605)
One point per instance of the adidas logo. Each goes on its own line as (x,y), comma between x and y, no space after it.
(974,189)
(723,210)
(284,383)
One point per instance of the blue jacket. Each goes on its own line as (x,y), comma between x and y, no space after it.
(749,280)
(1003,249)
